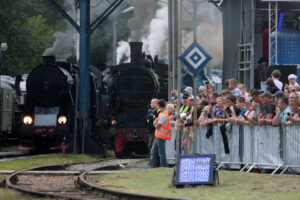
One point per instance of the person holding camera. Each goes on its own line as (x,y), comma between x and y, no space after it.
(188,130)
(250,116)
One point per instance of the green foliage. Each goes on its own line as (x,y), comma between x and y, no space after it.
(51,159)
(27,27)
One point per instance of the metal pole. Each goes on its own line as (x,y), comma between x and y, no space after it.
(179,77)
(114,41)
(84,86)
(252,45)
(270,31)
(77,37)
(170,56)
(195,83)
(174,41)
(76,150)
(276,33)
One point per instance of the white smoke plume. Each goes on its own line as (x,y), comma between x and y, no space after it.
(154,37)
(123,50)
(209,33)
(156,42)
(63,43)
(138,24)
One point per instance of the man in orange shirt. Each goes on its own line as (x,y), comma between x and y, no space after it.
(162,133)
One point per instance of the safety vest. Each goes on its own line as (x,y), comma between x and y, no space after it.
(155,113)
(164,132)
(184,109)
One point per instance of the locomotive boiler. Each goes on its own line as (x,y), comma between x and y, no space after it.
(134,85)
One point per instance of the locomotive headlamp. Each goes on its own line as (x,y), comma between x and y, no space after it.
(27,120)
(62,120)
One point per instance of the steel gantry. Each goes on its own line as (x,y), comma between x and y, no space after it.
(246,44)
(85,29)
(273,30)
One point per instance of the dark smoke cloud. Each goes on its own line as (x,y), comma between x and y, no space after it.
(64,41)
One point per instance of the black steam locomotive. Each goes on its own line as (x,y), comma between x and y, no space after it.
(133,86)
(118,109)
(48,119)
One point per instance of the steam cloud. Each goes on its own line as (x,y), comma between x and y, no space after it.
(209,34)
(63,43)
(142,16)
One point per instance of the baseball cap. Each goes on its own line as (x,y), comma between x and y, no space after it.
(278,94)
(266,94)
(185,96)
(188,89)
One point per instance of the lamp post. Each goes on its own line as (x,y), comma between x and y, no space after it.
(115,34)
(4,47)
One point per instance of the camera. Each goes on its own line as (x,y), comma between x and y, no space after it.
(213,103)
(189,122)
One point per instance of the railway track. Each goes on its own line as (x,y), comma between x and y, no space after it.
(71,182)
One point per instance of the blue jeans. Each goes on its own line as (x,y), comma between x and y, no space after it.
(158,149)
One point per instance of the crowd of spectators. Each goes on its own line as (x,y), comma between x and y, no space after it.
(277,104)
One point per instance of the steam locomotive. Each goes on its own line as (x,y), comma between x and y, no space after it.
(133,86)
(48,115)
(118,109)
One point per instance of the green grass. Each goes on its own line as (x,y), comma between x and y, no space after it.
(9,148)
(9,194)
(51,159)
(233,185)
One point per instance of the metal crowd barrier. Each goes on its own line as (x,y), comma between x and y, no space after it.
(250,147)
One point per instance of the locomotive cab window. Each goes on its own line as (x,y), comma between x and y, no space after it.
(45,116)
(43,110)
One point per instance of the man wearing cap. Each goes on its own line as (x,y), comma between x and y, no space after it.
(260,72)
(268,110)
(184,107)
(277,96)
(292,80)
(188,90)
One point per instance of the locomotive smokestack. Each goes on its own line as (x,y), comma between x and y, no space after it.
(49,59)
(136,54)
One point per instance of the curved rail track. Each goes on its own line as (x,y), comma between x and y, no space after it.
(58,182)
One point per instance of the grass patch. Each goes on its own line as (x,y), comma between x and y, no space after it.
(51,159)
(233,185)
(9,148)
(8,194)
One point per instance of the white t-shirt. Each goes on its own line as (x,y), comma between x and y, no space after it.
(278,84)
